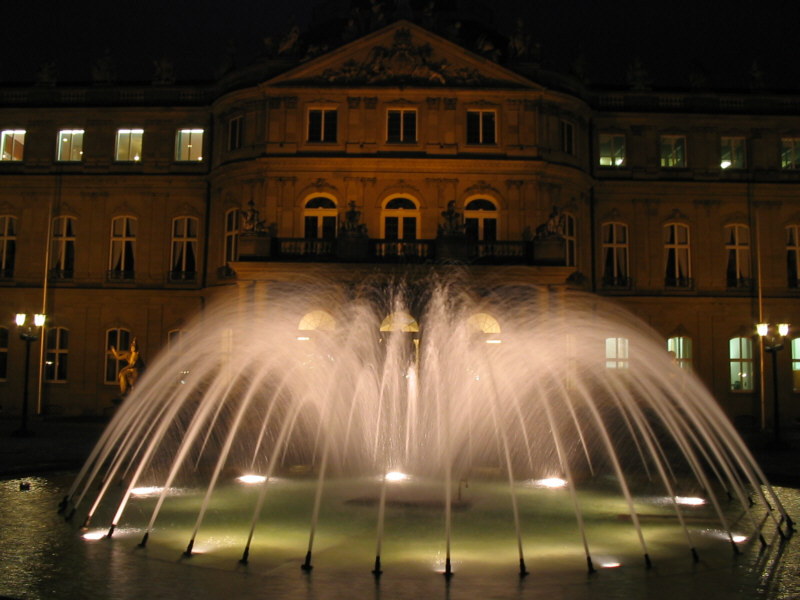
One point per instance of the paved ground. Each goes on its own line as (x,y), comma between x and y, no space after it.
(62,444)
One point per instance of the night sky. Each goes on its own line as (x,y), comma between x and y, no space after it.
(677,41)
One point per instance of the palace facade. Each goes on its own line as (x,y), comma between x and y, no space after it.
(125,209)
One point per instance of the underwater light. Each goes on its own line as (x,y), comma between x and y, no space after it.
(97,534)
(611,565)
(250,478)
(146,490)
(690,501)
(396,476)
(550,482)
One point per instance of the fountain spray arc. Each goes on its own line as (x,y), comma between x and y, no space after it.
(474,386)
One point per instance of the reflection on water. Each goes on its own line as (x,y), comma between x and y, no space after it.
(41,556)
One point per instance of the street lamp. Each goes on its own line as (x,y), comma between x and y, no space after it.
(27,334)
(773,343)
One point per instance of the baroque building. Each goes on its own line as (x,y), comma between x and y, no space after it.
(125,209)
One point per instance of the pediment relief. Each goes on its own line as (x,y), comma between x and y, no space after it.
(402,54)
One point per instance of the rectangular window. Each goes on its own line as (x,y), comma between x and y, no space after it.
(612,149)
(70,145)
(790,153)
(12,144)
(119,340)
(615,254)
(8,245)
(796,365)
(677,256)
(731,153)
(235,133)
(673,151)
(129,145)
(62,248)
(184,249)
(617,353)
(189,145)
(567,138)
(55,368)
(322,125)
(123,248)
(481,127)
(793,255)
(401,125)
(737,246)
(741,364)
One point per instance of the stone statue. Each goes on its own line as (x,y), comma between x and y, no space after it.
(452,221)
(103,69)
(351,225)
(163,72)
(251,221)
(128,375)
(554,226)
(290,41)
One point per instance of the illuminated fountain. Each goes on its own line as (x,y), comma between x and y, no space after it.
(550,414)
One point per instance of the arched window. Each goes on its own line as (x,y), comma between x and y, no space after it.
(184,249)
(400,220)
(121,340)
(316,320)
(793,255)
(737,247)
(615,254)
(121,260)
(681,349)
(480,219)
(677,256)
(55,367)
(485,324)
(319,219)
(232,222)
(8,245)
(62,248)
(740,355)
(3,353)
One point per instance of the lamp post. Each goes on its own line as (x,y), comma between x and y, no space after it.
(28,335)
(773,343)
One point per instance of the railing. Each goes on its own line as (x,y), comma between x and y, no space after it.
(684,283)
(740,283)
(616,283)
(115,275)
(407,251)
(306,248)
(504,252)
(6,273)
(182,276)
(60,274)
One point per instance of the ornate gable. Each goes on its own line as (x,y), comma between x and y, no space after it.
(402,54)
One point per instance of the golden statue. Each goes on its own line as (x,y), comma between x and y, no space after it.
(128,375)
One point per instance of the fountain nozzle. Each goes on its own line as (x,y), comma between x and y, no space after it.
(307,566)
(377,570)
(448,571)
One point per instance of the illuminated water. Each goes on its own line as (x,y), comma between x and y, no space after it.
(523,439)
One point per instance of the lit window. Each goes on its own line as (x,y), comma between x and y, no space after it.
(12,144)
(615,254)
(129,145)
(401,125)
(322,125)
(235,133)
(480,220)
(3,353)
(617,353)
(8,245)
(681,349)
(741,364)
(677,256)
(793,255)
(120,340)
(481,127)
(62,248)
(70,145)
(55,367)
(184,249)
(790,153)
(232,218)
(737,247)
(319,219)
(567,137)
(796,365)
(673,151)
(731,154)
(189,145)
(123,248)
(612,150)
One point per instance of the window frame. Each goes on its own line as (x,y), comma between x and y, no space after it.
(400,138)
(481,216)
(110,359)
(567,129)
(321,216)
(401,214)
(180,146)
(235,131)
(324,129)
(130,146)
(675,279)
(57,356)
(16,143)
(617,353)
(481,113)
(672,160)
(182,242)
(744,359)
(611,139)
(62,247)
(790,145)
(127,255)
(793,255)
(233,228)
(71,145)
(610,248)
(737,250)
(794,346)
(681,347)
(8,245)
(733,141)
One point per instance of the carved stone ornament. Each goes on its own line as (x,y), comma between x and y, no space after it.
(404,63)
